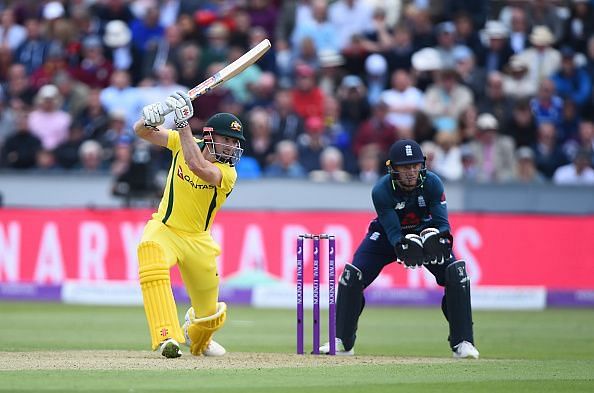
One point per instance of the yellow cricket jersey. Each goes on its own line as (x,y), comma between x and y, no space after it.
(189,204)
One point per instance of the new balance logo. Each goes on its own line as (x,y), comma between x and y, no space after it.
(400,205)
(374,236)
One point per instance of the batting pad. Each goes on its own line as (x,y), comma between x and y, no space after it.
(159,305)
(201,330)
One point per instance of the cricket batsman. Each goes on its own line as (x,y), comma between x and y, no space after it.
(411,227)
(201,176)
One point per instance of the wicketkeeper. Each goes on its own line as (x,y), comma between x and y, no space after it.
(201,176)
(412,228)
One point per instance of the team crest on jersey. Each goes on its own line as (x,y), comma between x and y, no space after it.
(421,201)
(235,126)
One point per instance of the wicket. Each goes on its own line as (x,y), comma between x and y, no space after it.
(316,292)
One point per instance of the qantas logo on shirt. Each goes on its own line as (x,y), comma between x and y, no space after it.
(180,174)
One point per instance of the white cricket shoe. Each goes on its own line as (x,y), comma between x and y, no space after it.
(465,350)
(340,351)
(170,349)
(214,349)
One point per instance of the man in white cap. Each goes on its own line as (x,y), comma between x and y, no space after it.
(494,153)
(542,59)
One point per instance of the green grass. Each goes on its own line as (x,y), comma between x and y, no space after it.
(540,351)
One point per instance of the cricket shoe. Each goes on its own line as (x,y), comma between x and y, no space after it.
(213,348)
(340,351)
(465,350)
(170,349)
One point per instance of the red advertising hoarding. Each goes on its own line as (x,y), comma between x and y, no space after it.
(51,246)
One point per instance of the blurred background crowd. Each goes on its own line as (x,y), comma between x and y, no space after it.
(495,91)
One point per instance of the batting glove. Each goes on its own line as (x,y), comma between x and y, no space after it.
(180,103)
(154,114)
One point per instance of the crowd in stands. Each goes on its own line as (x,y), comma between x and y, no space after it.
(495,91)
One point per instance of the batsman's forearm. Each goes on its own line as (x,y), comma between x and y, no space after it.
(142,130)
(192,154)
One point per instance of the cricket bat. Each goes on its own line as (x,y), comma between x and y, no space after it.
(230,71)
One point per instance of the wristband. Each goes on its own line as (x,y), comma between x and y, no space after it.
(181,124)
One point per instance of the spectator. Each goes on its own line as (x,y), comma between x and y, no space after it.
(311,143)
(370,162)
(572,82)
(376,79)
(74,94)
(446,43)
(13,34)
(447,160)
(55,62)
(494,153)
(66,154)
(162,50)
(578,26)
(331,70)
(146,30)
(427,66)
(216,49)
(308,99)
(286,123)
(519,29)
(547,106)
(354,107)
(544,13)
(188,63)
(578,173)
(7,120)
(526,171)
(91,157)
(94,69)
(263,14)
(260,143)
(20,148)
(522,124)
(403,100)
(445,100)
(286,162)
(331,167)
(470,75)
(517,84)
(467,129)
(466,34)
(542,59)
(497,51)
(548,154)
(376,131)
(349,18)
(118,38)
(495,101)
(584,140)
(31,53)
(121,95)
(243,85)
(18,86)
(93,118)
(48,122)
(318,29)
(400,49)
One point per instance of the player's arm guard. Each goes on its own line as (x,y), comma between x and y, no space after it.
(201,330)
(436,245)
(410,250)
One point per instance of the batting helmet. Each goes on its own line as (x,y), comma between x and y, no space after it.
(225,124)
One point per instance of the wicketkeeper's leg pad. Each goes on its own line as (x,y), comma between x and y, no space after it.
(201,330)
(457,301)
(159,304)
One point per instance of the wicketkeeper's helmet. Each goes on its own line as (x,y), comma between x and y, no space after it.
(405,152)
